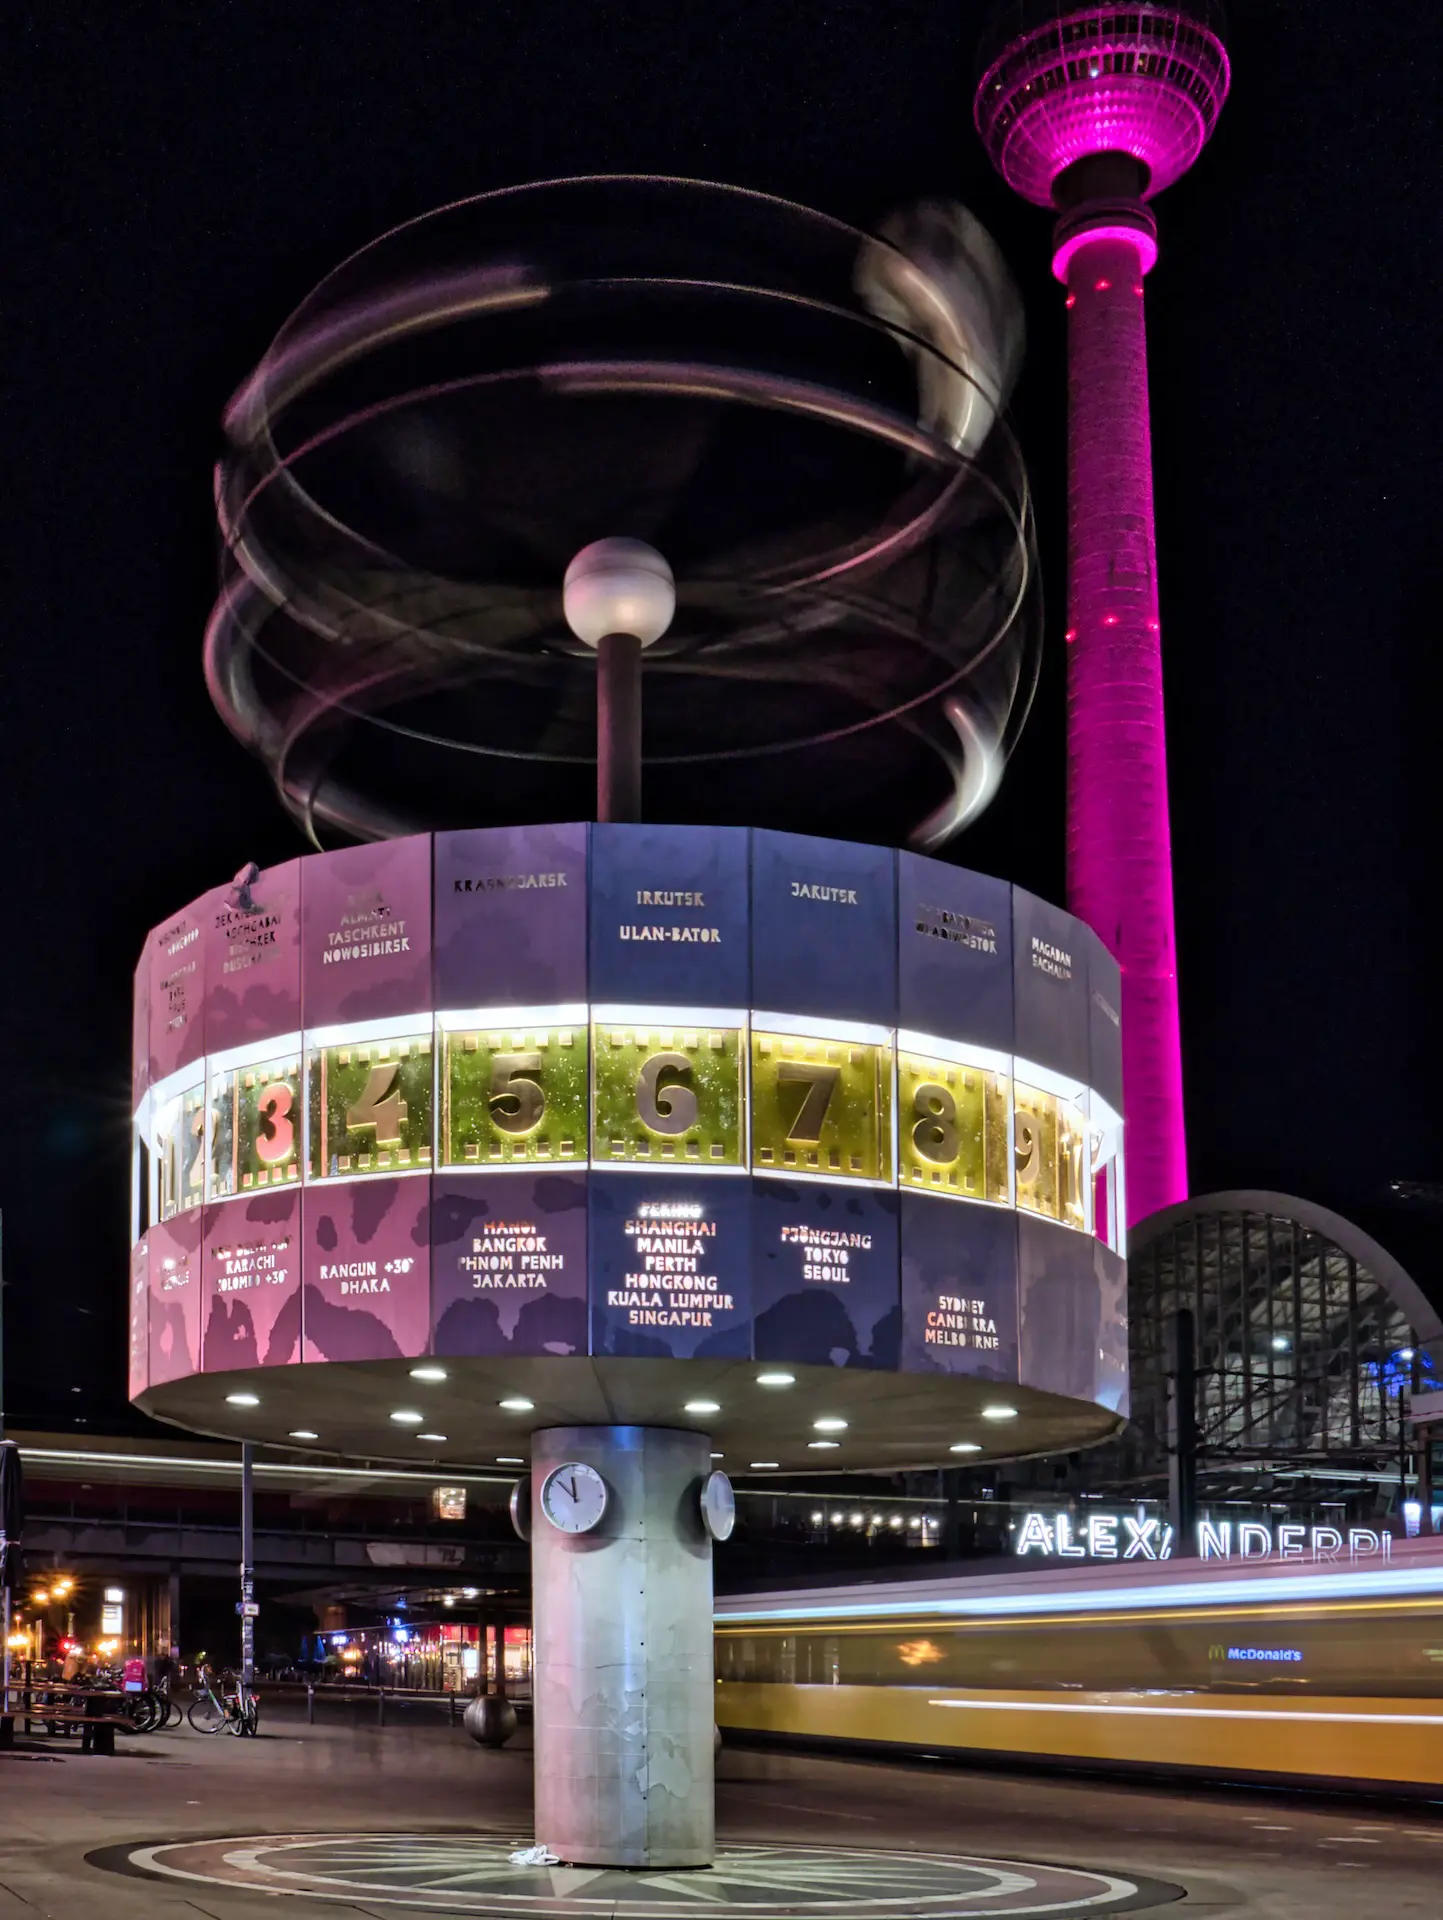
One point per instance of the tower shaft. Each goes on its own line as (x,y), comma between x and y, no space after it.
(1119,860)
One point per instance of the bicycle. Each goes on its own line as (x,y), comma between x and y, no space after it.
(153,1710)
(232,1709)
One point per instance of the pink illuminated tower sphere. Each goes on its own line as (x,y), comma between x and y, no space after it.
(1091,111)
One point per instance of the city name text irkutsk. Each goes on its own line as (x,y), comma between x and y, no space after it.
(809,890)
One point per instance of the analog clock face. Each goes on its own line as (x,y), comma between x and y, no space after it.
(718,1506)
(521,1508)
(573,1497)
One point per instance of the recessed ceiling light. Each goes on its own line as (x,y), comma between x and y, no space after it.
(439,1438)
(764,1463)
(469,1593)
(718,1456)
(819,1446)
(776,1379)
(303,1433)
(429,1373)
(999,1413)
(829,1425)
(509,1460)
(242,1399)
(516,1405)
(404,1417)
(702,1406)
(966,1446)
(449,1600)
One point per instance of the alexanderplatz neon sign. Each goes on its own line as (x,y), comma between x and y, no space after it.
(1131,1536)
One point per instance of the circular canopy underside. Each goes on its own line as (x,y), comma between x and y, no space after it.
(894,1421)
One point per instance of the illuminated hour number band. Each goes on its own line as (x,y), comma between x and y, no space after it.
(668,1094)
(514,1096)
(952,1128)
(821,1106)
(371,1107)
(647,1088)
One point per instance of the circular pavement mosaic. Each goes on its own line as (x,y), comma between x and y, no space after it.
(473,1874)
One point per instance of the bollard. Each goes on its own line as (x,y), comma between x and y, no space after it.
(310,1704)
(380,1706)
(451,1707)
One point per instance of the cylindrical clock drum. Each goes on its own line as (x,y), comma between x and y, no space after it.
(655,1152)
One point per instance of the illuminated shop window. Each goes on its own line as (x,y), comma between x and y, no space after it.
(953,1108)
(513,1086)
(370,1101)
(821,1099)
(669,1087)
(255,1117)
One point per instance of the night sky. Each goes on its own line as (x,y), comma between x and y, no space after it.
(178,178)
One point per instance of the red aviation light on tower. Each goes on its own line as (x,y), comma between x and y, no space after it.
(1092,111)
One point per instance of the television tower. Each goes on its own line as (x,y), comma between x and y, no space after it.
(1092,111)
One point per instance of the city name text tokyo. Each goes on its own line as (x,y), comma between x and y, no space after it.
(1126,1536)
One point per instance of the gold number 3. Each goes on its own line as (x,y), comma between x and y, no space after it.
(277,1136)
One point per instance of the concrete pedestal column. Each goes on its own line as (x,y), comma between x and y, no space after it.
(623,1654)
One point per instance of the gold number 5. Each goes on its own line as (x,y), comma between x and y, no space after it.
(516,1101)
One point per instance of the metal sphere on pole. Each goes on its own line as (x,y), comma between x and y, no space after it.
(619,597)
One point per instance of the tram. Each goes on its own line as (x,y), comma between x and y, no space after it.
(1327,1674)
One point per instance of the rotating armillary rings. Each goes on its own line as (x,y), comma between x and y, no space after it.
(803,418)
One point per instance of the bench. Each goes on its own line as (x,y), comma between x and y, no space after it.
(97,1726)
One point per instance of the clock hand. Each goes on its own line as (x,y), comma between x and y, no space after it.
(574,1495)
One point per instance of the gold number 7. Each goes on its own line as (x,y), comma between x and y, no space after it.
(811,1115)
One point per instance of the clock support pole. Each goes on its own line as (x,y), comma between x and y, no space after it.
(623,1689)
